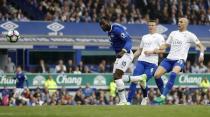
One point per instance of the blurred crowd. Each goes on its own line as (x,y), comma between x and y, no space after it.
(122,11)
(102,67)
(71,67)
(90,96)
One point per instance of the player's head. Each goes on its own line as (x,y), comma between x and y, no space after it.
(183,23)
(18,69)
(152,26)
(105,24)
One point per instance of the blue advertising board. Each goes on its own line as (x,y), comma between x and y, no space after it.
(40,28)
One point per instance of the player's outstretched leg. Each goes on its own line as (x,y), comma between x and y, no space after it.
(167,88)
(170,83)
(139,78)
(134,81)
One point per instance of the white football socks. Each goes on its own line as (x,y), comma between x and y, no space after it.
(135,78)
(127,78)
(121,90)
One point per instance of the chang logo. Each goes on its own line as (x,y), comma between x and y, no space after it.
(5,80)
(99,80)
(70,80)
(184,78)
(38,80)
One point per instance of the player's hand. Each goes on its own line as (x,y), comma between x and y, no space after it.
(120,54)
(148,53)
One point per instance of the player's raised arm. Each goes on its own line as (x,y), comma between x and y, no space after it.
(193,38)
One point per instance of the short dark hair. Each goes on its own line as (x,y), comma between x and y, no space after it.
(103,19)
(152,21)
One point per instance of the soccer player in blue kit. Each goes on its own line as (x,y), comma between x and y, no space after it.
(121,43)
(20,80)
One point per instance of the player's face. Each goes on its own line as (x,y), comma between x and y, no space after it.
(182,25)
(152,27)
(18,69)
(105,25)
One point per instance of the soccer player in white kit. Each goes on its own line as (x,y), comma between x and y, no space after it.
(147,63)
(179,42)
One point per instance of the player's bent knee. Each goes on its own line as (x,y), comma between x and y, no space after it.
(176,69)
(157,75)
(160,71)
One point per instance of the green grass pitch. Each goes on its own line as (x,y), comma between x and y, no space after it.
(106,111)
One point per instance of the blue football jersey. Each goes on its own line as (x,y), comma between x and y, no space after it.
(20,79)
(119,38)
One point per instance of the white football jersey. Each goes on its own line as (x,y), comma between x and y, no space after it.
(180,43)
(150,42)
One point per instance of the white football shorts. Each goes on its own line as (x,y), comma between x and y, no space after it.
(124,62)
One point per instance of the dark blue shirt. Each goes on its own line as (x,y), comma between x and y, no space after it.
(119,38)
(20,79)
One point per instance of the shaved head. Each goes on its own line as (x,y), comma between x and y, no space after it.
(185,20)
(183,23)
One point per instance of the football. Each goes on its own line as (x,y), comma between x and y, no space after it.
(13,36)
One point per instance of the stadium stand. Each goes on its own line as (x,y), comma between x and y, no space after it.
(183,96)
(122,11)
(89,11)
